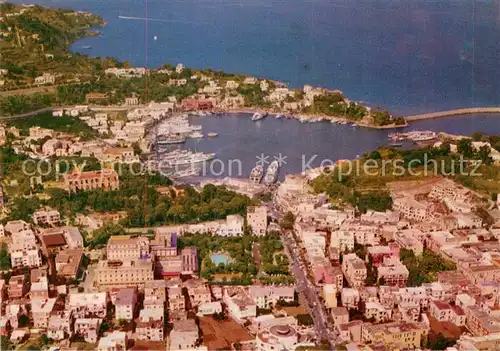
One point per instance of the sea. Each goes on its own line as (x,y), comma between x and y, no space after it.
(407,56)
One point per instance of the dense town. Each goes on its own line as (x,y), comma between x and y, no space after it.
(289,271)
(95,256)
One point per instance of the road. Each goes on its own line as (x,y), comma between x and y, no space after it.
(308,291)
(50,109)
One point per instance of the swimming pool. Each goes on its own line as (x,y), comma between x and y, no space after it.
(219,257)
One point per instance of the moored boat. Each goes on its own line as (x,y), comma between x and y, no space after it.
(258,116)
(272,173)
(256,174)
(170,139)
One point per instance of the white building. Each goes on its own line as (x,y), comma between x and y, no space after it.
(239,304)
(209,308)
(257,219)
(268,295)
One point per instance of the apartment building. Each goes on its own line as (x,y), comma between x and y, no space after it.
(25,257)
(114,341)
(239,305)
(340,315)
(412,209)
(124,247)
(112,274)
(68,262)
(257,219)
(45,78)
(88,328)
(150,326)
(118,155)
(393,272)
(378,312)
(125,304)
(350,297)
(39,284)
(66,237)
(480,273)
(411,239)
(198,291)
(85,305)
(176,301)
(184,335)
(37,132)
(480,323)
(60,325)
(266,295)
(343,240)
(378,253)
(41,308)
(402,335)
(52,218)
(444,312)
(209,308)
(92,180)
(18,287)
(155,291)
(354,270)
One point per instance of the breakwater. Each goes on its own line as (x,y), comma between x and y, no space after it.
(457,112)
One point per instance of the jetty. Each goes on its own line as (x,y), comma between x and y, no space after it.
(457,112)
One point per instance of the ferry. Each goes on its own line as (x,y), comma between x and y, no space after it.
(256,174)
(198,157)
(258,116)
(170,139)
(272,173)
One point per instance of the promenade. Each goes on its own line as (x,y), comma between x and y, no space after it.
(457,112)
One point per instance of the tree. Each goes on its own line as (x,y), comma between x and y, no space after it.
(24,321)
(304,319)
(484,154)
(439,342)
(5,343)
(288,221)
(4,257)
(464,147)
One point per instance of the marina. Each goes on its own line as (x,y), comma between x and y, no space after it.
(414,135)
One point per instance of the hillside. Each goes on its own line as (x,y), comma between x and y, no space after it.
(35,40)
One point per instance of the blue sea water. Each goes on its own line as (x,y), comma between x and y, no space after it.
(408,56)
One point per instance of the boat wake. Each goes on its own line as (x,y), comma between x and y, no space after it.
(159,20)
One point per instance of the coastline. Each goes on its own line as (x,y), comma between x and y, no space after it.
(308,118)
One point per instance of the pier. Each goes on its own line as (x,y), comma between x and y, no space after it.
(457,112)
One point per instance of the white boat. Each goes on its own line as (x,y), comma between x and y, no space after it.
(279,115)
(256,174)
(212,134)
(196,135)
(170,139)
(192,159)
(258,116)
(354,125)
(272,173)
(190,172)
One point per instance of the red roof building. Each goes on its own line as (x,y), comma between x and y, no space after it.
(195,104)
(84,181)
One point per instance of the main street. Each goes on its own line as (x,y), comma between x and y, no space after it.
(308,291)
